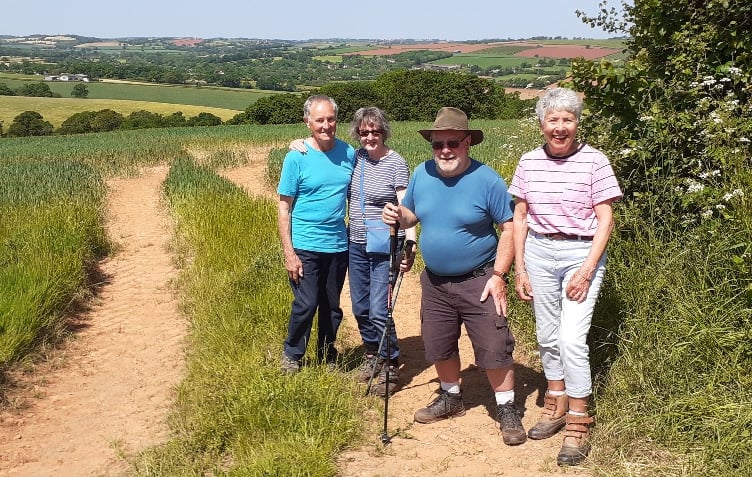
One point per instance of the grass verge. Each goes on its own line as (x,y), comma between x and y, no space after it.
(50,235)
(236,412)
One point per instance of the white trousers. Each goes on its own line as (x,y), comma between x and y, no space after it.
(562,325)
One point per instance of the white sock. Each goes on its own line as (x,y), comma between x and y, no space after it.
(556,393)
(575,413)
(453,388)
(503,397)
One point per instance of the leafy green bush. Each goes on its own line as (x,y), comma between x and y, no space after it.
(672,331)
(676,115)
(30,123)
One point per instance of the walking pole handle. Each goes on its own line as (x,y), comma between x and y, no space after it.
(409,247)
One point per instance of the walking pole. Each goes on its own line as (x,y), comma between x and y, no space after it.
(408,250)
(385,439)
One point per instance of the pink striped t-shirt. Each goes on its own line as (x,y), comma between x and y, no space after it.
(561,193)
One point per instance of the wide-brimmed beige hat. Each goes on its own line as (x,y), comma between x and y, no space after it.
(452,119)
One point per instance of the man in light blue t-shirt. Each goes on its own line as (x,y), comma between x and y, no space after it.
(311,218)
(460,203)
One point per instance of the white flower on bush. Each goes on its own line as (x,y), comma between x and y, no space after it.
(734,72)
(694,186)
(744,140)
(732,194)
(707,213)
(714,173)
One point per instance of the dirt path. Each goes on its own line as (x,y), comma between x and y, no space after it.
(110,396)
(111,392)
(467,446)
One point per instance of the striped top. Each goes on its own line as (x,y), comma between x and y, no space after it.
(561,193)
(381,180)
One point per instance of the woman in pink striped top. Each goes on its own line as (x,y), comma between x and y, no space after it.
(563,219)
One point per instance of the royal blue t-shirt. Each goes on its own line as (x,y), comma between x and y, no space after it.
(458,216)
(317,181)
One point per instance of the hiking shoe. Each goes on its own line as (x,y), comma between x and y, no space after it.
(445,406)
(576,440)
(512,431)
(331,362)
(553,418)
(371,367)
(381,387)
(289,365)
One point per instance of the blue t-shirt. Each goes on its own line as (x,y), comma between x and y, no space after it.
(458,216)
(317,181)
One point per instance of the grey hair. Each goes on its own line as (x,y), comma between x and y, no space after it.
(371,116)
(318,98)
(558,99)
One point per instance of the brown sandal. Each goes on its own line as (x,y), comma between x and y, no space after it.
(576,440)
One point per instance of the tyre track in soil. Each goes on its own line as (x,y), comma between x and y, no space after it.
(106,395)
(466,446)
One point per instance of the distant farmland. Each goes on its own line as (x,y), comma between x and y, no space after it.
(590,49)
(211,97)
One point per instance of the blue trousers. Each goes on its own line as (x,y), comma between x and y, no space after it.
(318,290)
(369,286)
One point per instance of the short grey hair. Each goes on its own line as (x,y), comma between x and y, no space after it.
(558,99)
(318,98)
(371,116)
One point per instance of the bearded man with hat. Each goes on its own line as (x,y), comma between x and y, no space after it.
(460,202)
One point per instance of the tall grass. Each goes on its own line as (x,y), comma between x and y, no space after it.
(237,413)
(50,234)
(673,343)
(670,340)
(123,152)
(51,214)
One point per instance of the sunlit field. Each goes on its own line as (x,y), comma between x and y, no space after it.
(57,110)
(670,340)
(208,96)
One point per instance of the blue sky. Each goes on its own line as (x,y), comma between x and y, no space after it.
(297,20)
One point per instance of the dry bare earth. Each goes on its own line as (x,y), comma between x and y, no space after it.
(110,390)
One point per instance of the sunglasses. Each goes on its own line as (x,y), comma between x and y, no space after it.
(366,132)
(453,144)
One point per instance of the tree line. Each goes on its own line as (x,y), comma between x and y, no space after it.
(42,90)
(408,95)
